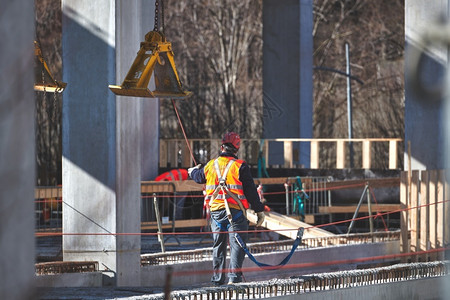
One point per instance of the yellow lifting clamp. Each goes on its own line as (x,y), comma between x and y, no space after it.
(43,79)
(154,56)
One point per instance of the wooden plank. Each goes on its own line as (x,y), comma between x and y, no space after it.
(178,224)
(188,186)
(335,139)
(373,182)
(149,187)
(393,158)
(172,155)
(440,213)
(165,156)
(424,215)
(186,159)
(340,154)
(446,209)
(266,152)
(47,192)
(288,157)
(162,154)
(366,154)
(314,156)
(287,226)
(404,247)
(363,208)
(345,184)
(310,219)
(170,186)
(414,213)
(432,211)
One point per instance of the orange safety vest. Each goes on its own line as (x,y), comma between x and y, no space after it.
(228,167)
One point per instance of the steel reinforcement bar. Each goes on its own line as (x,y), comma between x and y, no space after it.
(314,282)
(59,267)
(203,254)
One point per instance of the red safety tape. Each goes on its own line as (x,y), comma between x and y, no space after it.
(318,264)
(248,231)
(378,213)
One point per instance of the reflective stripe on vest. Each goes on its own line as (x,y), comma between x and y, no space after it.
(230,186)
(240,197)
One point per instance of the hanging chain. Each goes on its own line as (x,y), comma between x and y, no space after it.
(156,15)
(162,16)
(55,106)
(157,4)
(55,100)
(43,79)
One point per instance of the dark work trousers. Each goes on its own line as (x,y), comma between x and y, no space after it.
(219,226)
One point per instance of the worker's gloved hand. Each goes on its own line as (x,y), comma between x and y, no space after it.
(193,168)
(261,216)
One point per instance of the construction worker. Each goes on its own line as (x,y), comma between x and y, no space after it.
(228,178)
(176,175)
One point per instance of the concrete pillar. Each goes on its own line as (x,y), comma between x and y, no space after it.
(150,138)
(287,74)
(101,135)
(149,107)
(422,115)
(17,155)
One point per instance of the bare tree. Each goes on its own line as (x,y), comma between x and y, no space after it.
(218,51)
(375,33)
(48,105)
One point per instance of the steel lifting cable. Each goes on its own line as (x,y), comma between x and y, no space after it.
(156,28)
(184,133)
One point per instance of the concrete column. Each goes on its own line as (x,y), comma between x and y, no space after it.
(150,138)
(423,116)
(17,155)
(287,74)
(149,107)
(101,135)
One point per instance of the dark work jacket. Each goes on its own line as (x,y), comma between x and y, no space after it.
(245,176)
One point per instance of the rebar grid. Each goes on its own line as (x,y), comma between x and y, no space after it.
(66,267)
(314,282)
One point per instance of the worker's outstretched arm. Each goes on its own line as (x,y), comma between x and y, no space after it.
(197,174)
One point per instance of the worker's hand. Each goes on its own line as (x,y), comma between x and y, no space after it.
(193,168)
(261,216)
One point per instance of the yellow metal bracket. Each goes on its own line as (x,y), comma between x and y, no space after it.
(44,81)
(154,57)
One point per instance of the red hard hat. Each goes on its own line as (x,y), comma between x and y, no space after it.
(233,139)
